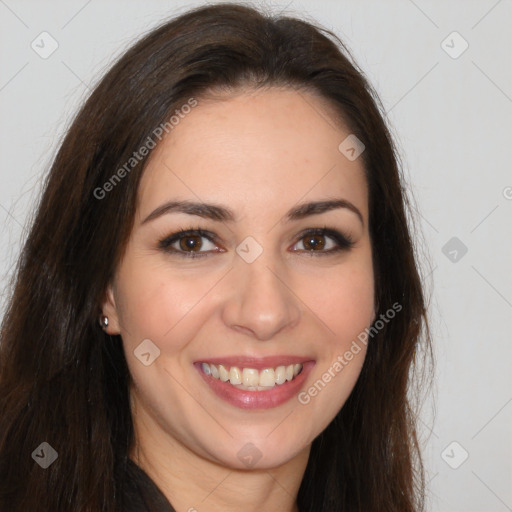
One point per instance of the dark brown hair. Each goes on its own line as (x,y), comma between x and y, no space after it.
(65,382)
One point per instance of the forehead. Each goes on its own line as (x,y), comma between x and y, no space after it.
(254,149)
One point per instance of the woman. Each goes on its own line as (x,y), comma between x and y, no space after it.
(218,304)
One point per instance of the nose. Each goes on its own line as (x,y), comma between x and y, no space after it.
(261,303)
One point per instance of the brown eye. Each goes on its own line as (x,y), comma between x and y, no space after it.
(314,242)
(191,243)
(322,241)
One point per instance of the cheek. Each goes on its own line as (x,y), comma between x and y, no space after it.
(343,301)
(162,306)
(351,306)
(155,302)
(345,305)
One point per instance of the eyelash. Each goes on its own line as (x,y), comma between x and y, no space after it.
(344,242)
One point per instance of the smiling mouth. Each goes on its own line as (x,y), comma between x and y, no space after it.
(251,379)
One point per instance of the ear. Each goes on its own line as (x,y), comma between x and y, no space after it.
(109,309)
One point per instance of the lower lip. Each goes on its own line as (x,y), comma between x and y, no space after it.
(267,399)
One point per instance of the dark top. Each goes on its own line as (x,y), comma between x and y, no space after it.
(140,494)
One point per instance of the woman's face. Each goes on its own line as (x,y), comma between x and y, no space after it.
(259,289)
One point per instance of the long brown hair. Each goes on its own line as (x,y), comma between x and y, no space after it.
(65,382)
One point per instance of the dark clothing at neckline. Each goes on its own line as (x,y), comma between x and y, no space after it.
(140,494)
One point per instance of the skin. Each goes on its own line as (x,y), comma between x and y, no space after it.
(259,153)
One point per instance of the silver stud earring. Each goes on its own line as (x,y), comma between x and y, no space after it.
(104,322)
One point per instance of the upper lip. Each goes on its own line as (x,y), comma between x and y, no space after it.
(258,363)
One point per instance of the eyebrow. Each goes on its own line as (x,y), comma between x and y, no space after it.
(224,214)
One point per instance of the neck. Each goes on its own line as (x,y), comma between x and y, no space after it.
(192,482)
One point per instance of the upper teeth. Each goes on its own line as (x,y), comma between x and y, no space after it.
(252,378)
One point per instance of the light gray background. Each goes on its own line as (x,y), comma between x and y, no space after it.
(452,118)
